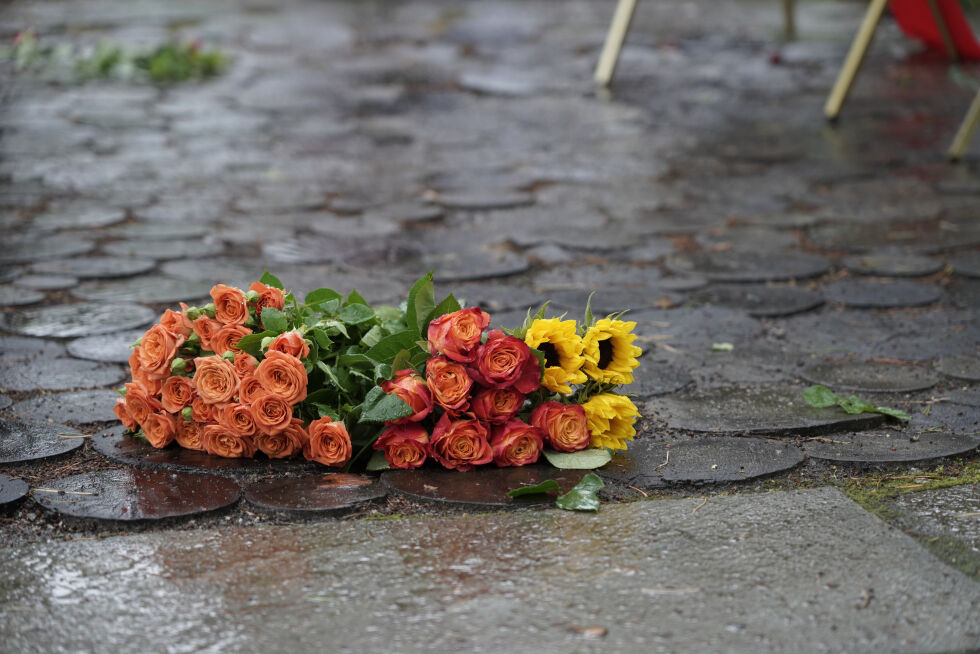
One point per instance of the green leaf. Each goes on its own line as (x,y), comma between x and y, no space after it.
(252,344)
(336,326)
(582,497)
(894,413)
(588,459)
(588,319)
(819,397)
(448,305)
(401,361)
(421,303)
(378,406)
(321,295)
(355,298)
(853,404)
(269,279)
(378,462)
(544,487)
(356,314)
(722,347)
(373,336)
(343,384)
(274,320)
(389,347)
(320,338)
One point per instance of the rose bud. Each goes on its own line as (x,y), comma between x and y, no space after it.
(284,444)
(410,387)
(160,429)
(189,435)
(226,339)
(140,404)
(244,364)
(176,393)
(177,322)
(505,361)
(283,376)
(496,405)
(290,343)
(564,427)
(230,307)
(237,418)
(460,444)
(157,349)
(270,413)
(268,297)
(404,445)
(123,414)
(329,443)
(516,443)
(449,383)
(221,441)
(187,414)
(458,334)
(206,328)
(216,380)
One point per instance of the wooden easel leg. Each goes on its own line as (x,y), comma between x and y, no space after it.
(854,58)
(614,41)
(966,131)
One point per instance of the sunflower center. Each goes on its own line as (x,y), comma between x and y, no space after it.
(605,353)
(551,357)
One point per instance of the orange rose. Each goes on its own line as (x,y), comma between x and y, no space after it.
(189,435)
(405,445)
(160,429)
(176,322)
(269,296)
(497,405)
(139,403)
(153,385)
(226,339)
(205,328)
(215,379)
(505,361)
(291,343)
(249,389)
(230,307)
(458,334)
(123,414)
(449,383)
(270,413)
(244,364)
(410,387)
(221,441)
(284,376)
(177,392)
(565,428)
(237,418)
(201,411)
(157,349)
(460,444)
(516,443)
(288,442)
(329,443)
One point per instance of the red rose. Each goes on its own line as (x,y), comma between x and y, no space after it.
(564,427)
(284,444)
(458,334)
(404,445)
(224,442)
(290,343)
(160,429)
(516,443)
(505,361)
(449,383)
(496,405)
(329,443)
(460,444)
(410,387)
(230,306)
(269,296)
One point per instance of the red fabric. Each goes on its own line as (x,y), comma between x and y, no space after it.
(916,20)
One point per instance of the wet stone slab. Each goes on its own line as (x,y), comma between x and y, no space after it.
(870,376)
(148,290)
(73,320)
(133,495)
(654,378)
(76,406)
(23,249)
(688,330)
(311,495)
(965,293)
(956,417)
(946,512)
(759,300)
(19,348)
(16,296)
(109,348)
(163,249)
(5,402)
(481,487)
(772,410)
(78,218)
(881,295)
(95,267)
(22,440)
(896,264)
(484,200)
(115,444)
(960,367)
(967,265)
(46,282)
(12,491)
(889,446)
(60,374)
(735,266)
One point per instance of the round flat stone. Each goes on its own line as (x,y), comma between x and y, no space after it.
(79,218)
(881,295)
(653,378)
(148,290)
(20,348)
(132,495)
(72,320)
(109,348)
(870,376)
(888,446)
(929,237)
(473,265)
(896,264)
(484,200)
(160,230)
(34,248)
(772,410)
(5,402)
(60,374)
(163,248)
(15,296)
(95,267)
(9,274)
(965,293)
(680,331)
(227,271)
(12,491)
(22,440)
(332,493)
(115,444)
(483,486)
(957,416)
(960,367)
(760,300)
(407,212)
(80,407)
(46,282)
(967,265)
(735,266)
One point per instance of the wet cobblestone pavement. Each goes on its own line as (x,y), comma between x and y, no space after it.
(358,145)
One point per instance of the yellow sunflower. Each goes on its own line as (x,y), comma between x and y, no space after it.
(562,348)
(610,356)
(610,418)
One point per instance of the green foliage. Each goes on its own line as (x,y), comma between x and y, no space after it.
(583,496)
(822,397)
(378,462)
(378,406)
(547,486)
(588,459)
(269,279)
